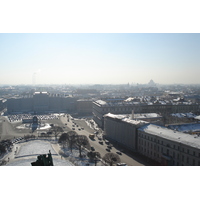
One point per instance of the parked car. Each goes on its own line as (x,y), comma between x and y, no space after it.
(119,152)
(121,164)
(92,148)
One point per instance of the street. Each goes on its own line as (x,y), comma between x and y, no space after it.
(101,148)
(8,131)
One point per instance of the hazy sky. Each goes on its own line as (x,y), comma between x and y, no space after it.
(104,58)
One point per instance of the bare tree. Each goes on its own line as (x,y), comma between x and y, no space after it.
(82,141)
(56,130)
(71,139)
(94,156)
(63,139)
(111,158)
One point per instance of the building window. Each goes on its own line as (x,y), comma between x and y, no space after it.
(193,153)
(182,157)
(188,151)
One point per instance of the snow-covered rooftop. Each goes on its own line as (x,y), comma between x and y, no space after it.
(186,127)
(190,140)
(146,115)
(125,118)
(142,100)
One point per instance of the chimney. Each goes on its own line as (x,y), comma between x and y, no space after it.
(132,114)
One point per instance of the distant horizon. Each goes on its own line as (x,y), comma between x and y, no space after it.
(105,58)
(94,84)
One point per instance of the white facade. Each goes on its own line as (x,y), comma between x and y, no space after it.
(101,108)
(168,147)
(122,130)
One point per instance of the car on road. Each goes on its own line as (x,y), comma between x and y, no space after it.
(107,142)
(73,128)
(82,128)
(101,142)
(121,164)
(92,148)
(92,136)
(119,152)
(107,149)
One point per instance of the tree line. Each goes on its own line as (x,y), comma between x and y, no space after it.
(72,139)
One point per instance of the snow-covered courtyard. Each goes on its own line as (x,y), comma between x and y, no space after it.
(27,152)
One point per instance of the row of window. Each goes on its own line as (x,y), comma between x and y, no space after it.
(176,147)
(177,158)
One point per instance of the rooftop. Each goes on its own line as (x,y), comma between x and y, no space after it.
(126,118)
(191,140)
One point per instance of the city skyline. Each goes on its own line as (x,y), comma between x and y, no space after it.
(104,58)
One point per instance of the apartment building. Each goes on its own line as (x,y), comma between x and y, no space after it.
(122,129)
(101,107)
(168,147)
(41,102)
(155,142)
(84,107)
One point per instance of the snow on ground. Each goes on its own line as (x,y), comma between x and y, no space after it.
(28,152)
(28,161)
(43,126)
(75,159)
(35,147)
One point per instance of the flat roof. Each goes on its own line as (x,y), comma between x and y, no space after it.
(190,140)
(126,118)
(41,93)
